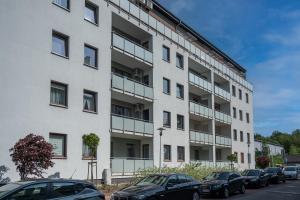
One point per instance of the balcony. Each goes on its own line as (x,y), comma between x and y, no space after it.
(223,164)
(199,82)
(129,166)
(205,163)
(131,87)
(223,141)
(200,110)
(222,117)
(135,50)
(222,93)
(200,137)
(127,125)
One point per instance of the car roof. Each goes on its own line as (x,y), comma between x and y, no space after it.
(44,180)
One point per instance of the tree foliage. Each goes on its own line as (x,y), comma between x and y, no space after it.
(32,155)
(3,170)
(92,141)
(262,162)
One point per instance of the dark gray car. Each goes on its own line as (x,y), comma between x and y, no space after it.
(54,189)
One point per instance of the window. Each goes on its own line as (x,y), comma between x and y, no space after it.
(59,143)
(248,138)
(197,154)
(247,98)
(36,191)
(180,154)
(179,91)
(90,56)
(167,119)
(91,12)
(180,122)
(241,115)
(166,86)
(130,150)
(65,189)
(234,112)
(58,94)
(242,158)
(249,157)
(172,181)
(167,152)
(179,61)
(241,136)
(62,3)
(240,94)
(166,54)
(87,153)
(233,91)
(60,44)
(146,151)
(89,101)
(235,134)
(247,117)
(237,157)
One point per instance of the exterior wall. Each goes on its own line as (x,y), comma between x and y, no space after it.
(274,149)
(27,68)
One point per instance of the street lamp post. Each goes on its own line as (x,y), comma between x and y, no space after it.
(248,154)
(161,129)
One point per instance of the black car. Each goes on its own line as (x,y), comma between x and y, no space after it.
(161,187)
(58,189)
(223,184)
(256,178)
(276,174)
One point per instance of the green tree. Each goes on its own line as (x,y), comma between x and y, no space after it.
(232,158)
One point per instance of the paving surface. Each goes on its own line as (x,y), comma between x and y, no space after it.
(283,191)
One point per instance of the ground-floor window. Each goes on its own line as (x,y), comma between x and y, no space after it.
(59,143)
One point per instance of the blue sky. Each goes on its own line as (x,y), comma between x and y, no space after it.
(264,37)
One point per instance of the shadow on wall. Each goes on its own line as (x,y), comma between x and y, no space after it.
(3,171)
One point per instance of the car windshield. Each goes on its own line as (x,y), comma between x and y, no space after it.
(272,170)
(290,169)
(250,173)
(153,180)
(217,176)
(7,188)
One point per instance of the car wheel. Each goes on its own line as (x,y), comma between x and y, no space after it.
(196,196)
(242,189)
(225,193)
(267,184)
(283,180)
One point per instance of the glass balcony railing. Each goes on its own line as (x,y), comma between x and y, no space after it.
(200,137)
(223,164)
(127,85)
(222,93)
(132,48)
(129,166)
(205,163)
(222,117)
(126,124)
(201,110)
(199,82)
(224,141)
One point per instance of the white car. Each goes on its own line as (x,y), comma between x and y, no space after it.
(292,172)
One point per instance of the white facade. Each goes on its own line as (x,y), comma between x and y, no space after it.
(274,149)
(129,87)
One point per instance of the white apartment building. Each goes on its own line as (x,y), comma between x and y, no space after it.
(120,69)
(273,149)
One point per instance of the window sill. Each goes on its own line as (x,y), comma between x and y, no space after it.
(182,68)
(66,9)
(59,157)
(167,126)
(167,160)
(168,61)
(180,129)
(57,105)
(167,93)
(91,22)
(90,66)
(62,56)
(181,161)
(89,111)
(181,98)
(88,158)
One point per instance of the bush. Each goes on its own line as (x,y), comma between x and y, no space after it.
(3,170)
(32,155)
(262,162)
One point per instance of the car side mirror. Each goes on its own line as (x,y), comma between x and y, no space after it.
(169,185)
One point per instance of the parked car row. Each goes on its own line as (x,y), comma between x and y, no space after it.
(152,187)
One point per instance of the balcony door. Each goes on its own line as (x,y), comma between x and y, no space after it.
(130,151)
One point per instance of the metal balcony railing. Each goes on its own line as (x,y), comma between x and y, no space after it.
(201,110)
(130,86)
(129,166)
(127,124)
(131,48)
(201,137)
(199,82)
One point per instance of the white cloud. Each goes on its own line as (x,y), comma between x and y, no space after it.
(178,6)
(288,37)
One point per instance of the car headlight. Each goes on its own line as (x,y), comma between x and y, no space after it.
(216,187)
(138,197)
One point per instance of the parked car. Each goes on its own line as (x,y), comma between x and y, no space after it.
(276,174)
(292,172)
(256,178)
(58,189)
(161,187)
(223,184)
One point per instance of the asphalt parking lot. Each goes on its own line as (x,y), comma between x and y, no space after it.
(283,191)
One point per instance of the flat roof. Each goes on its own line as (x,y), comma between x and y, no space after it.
(157,6)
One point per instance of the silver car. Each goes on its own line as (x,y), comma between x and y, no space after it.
(292,172)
